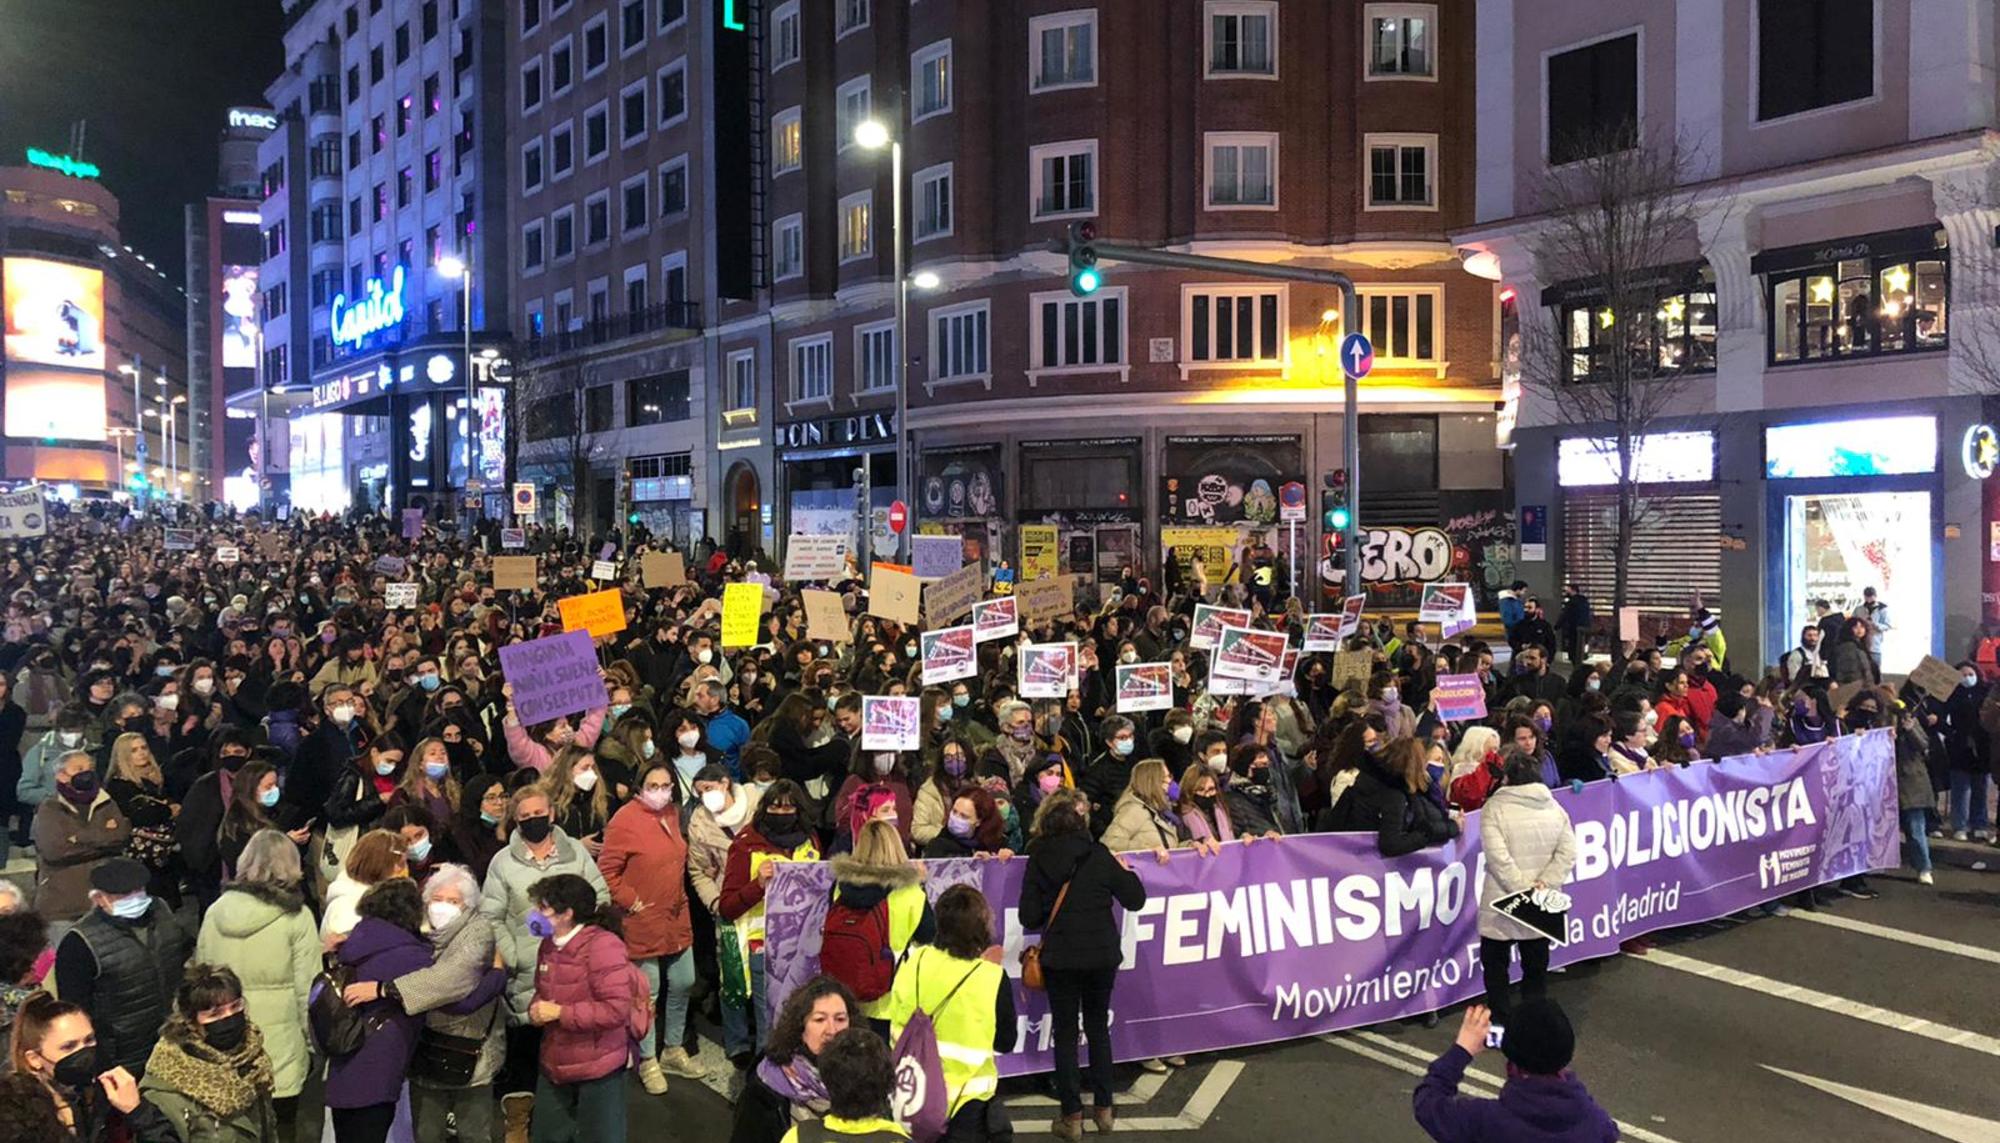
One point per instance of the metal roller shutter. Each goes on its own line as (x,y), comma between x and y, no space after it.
(1675,553)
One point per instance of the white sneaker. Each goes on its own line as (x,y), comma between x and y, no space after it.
(1959,835)
(651,1079)
(675,1061)
(1925,878)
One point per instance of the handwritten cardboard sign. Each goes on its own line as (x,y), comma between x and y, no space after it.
(742,605)
(826,616)
(399,596)
(663,569)
(952,598)
(1043,600)
(893,594)
(815,557)
(599,612)
(514,573)
(1352,668)
(553,676)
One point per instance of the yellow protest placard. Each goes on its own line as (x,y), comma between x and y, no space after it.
(1213,545)
(1041,558)
(742,603)
(600,612)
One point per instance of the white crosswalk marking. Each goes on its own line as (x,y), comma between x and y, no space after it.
(1142,1090)
(1953,1125)
(1900,936)
(1825,1001)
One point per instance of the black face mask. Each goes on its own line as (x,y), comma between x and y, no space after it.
(234,762)
(226,1034)
(136,724)
(78,1070)
(783,829)
(536,830)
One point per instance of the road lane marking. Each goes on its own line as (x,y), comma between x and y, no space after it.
(1142,1090)
(1900,936)
(1953,1125)
(1193,1116)
(1825,1001)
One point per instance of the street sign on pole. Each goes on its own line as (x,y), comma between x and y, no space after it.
(1357,356)
(899,517)
(524,500)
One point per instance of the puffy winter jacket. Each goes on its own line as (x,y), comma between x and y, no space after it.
(378,951)
(266,934)
(588,978)
(1527,838)
(69,843)
(503,900)
(1380,804)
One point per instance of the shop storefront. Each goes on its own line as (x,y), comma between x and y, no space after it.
(403,424)
(960,494)
(1220,495)
(661,496)
(1674,560)
(1088,492)
(818,462)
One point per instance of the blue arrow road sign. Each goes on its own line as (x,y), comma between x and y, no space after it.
(1357,357)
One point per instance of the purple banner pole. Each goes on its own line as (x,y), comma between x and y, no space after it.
(1313,934)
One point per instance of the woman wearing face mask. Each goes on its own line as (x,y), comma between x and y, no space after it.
(78,828)
(261,924)
(1172,741)
(55,1043)
(534,747)
(1631,742)
(362,1089)
(686,746)
(1475,768)
(644,862)
(74,726)
(778,832)
(880,779)
(1392,798)
(951,775)
(582,1002)
(199,685)
(137,786)
(1256,724)
(582,801)
(974,827)
(1047,774)
(254,805)
(1676,744)
(361,792)
(1385,697)
(536,848)
(877,874)
(210,1074)
(428,782)
(478,830)
(1201,808)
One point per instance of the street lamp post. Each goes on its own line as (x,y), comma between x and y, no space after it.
(137,371)
(459,266)
(873,134)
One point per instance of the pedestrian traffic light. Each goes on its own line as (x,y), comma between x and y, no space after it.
(136,482)
(1084,276)
(1334,511)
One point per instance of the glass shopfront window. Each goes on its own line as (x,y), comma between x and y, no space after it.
(1880,294)
(1674,332)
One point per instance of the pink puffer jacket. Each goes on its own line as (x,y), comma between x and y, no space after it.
(588,978)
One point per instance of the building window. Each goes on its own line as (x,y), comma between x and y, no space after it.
(958,343)
(742,372)
(1860,307)
(875,357)
(406,187)
(1401,323)
(635,296)
(402,43)
(856,236)
(598,299)
(532,253)
(1402,171)
(433,244)
(1242,171)
(788,243)
(323,161)
(1813,54)
(354,215)
(674,187)
(631,26)
(851,109)
(1242,38)
(429,20)
(1063,178)
(784,34)
(531,15)
(853,17)
(787,142)
(433,170)
(562,151)
(672,12)
(632,114)
(433,95)
(378,129)
(597,407)
(403,108)
(812,368)
(632,197)
(353,83)
(930,69)
(377,65)
(1591,95)
(381,201)
(562,64)
(597,218)
(562,227)
(1078,333)
(531,166)
(531,85)
(1062,50)
(1675,332)
(674,277)
(656,399)
(596,46)
(1234,324)
(931,191)
(596,132)
(1402,41)
(673,92)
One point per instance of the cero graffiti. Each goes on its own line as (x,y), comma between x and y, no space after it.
(1390,555)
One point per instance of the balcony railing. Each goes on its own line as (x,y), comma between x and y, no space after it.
(615,327)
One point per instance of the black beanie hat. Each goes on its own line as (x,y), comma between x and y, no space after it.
(1539,1039)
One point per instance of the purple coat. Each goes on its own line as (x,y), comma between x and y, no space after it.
(378,951)
(1531,1109)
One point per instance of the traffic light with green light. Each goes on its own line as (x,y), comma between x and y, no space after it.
(1335,512)
(1084,276)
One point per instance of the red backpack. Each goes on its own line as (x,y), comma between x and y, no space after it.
(854,949)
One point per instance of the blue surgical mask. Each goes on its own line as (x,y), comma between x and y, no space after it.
(268,798)
(133,907)
(1122,746)
(420,849)
(647,749)
(944,713)
(385,768)
(961,701)
(618,709)
(436,770)
(164,670)
(430,682)
(489,819)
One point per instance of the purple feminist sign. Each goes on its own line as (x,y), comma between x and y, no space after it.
(553,676)
(1321,933)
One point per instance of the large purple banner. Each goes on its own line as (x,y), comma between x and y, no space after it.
(1313,934)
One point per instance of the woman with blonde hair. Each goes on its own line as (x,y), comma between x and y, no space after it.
(578,796)
(378,856)
(1143,818)
(134,781)
(878,874)
(428,781)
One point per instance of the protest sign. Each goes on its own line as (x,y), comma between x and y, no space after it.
(891,722)
(513,539)
(663,569)
(1286,683)
(553,676)
(742,605)
(1933,676)
(1322,633)
(1047,670)
(514,573)
(934,557)
(1467,618)
(413,523)
(1350,614)
(1352,668)
(995,619)
(1043,600)
(948,653)
(951,598)
(271,545)
(390,565)
(1628,624)
(400,596)
(1144,686)
(1459,698)
(815,557)
(22,514)
(892,594)
(1209,621)
(1323,933)
(228,555)
(176,539)
(1040,557)
(603,570)
(1213,545)
(1251,655)
(608,551)
(826,616)
(599,612)
(1443,602)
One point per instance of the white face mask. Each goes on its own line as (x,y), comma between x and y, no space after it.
(442,914)
(1217,763)
(715,800)
(585,780)
(168,702)
(704,656)
(204,686)
(1182,734)
(1129,657)
(342,714)
(689,739)
(69,737)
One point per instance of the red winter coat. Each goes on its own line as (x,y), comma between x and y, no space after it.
(644,862)
(590,1040)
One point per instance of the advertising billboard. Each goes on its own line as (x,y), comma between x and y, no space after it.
(489,448)
(54,314)
(239,317)
(54,404)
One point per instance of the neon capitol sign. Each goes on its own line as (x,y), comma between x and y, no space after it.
(62,164)
(380,309)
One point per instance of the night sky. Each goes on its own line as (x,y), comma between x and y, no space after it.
(153,78)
